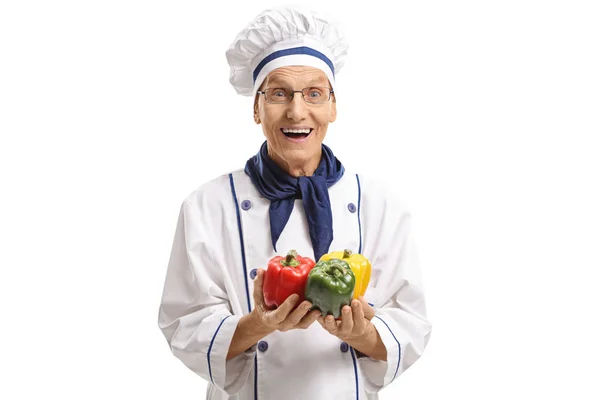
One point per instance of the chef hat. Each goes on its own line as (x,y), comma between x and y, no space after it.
(284,36)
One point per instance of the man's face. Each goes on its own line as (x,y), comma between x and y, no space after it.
(294,149)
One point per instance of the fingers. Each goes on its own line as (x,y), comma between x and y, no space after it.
(321,320)
(368,311)
(281,313)
(353,317)
(308,319)
(353,322)
(329,323)
(347,321)
(358,317)
(293,318)
(296,316)
(258,288)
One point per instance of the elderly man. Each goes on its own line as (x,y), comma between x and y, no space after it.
(293,194)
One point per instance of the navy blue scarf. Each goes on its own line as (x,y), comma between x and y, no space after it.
(282,189)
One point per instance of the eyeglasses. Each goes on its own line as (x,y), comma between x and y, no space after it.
(311,95)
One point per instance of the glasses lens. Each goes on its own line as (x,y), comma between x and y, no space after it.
(278,95)
(316,95)
(313,95)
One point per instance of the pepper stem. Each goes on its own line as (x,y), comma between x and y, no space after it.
(337,270)
(290,259)
(347,253)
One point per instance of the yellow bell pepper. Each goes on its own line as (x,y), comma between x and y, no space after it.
(359,264)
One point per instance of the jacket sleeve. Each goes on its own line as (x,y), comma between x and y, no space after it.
(397,296)
(195,314)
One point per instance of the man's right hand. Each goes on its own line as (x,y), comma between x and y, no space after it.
(261,321)
(282,318)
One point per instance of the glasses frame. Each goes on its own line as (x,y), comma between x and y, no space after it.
(291,97)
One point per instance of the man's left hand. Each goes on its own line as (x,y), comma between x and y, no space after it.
(355,322)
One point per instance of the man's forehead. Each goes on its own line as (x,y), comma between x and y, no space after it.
(309,75)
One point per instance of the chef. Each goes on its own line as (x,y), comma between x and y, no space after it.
(292,194)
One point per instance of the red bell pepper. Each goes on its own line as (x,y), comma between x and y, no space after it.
(284,277)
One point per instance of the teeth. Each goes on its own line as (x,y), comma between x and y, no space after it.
(296,130)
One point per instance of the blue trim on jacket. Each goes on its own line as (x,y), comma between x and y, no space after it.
(255,377)
(399,347)
(210,348)
(359,225)
(239,220)
(355,370)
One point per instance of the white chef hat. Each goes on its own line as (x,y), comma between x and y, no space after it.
(284,36)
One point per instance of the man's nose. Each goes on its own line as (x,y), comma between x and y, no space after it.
(297,107)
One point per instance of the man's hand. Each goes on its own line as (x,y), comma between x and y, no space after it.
(356,329)
(355,323)
(282,318)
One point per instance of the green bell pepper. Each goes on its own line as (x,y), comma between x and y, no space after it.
(329,286)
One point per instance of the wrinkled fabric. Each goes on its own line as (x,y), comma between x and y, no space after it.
(281,29)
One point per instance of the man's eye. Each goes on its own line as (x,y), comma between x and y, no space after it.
(315,93)
(279,93)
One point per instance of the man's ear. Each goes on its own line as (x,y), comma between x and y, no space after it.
(333,115)
(256,117)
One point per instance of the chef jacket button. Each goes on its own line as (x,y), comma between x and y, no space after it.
(344,347)
(263,346)
(246,205)
(253,273)
(352,207)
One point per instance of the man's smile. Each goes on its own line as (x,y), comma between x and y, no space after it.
(297,134)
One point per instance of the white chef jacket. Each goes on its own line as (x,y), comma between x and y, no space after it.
(223,236)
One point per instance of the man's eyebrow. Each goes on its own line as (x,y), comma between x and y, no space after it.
(319,81)
(278,81)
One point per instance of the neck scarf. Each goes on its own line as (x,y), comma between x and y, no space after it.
(281,189)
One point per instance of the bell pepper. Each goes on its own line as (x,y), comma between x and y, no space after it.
(360,265)
(284,277)
(329,286)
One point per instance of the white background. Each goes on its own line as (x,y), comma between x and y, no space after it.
(486,118)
